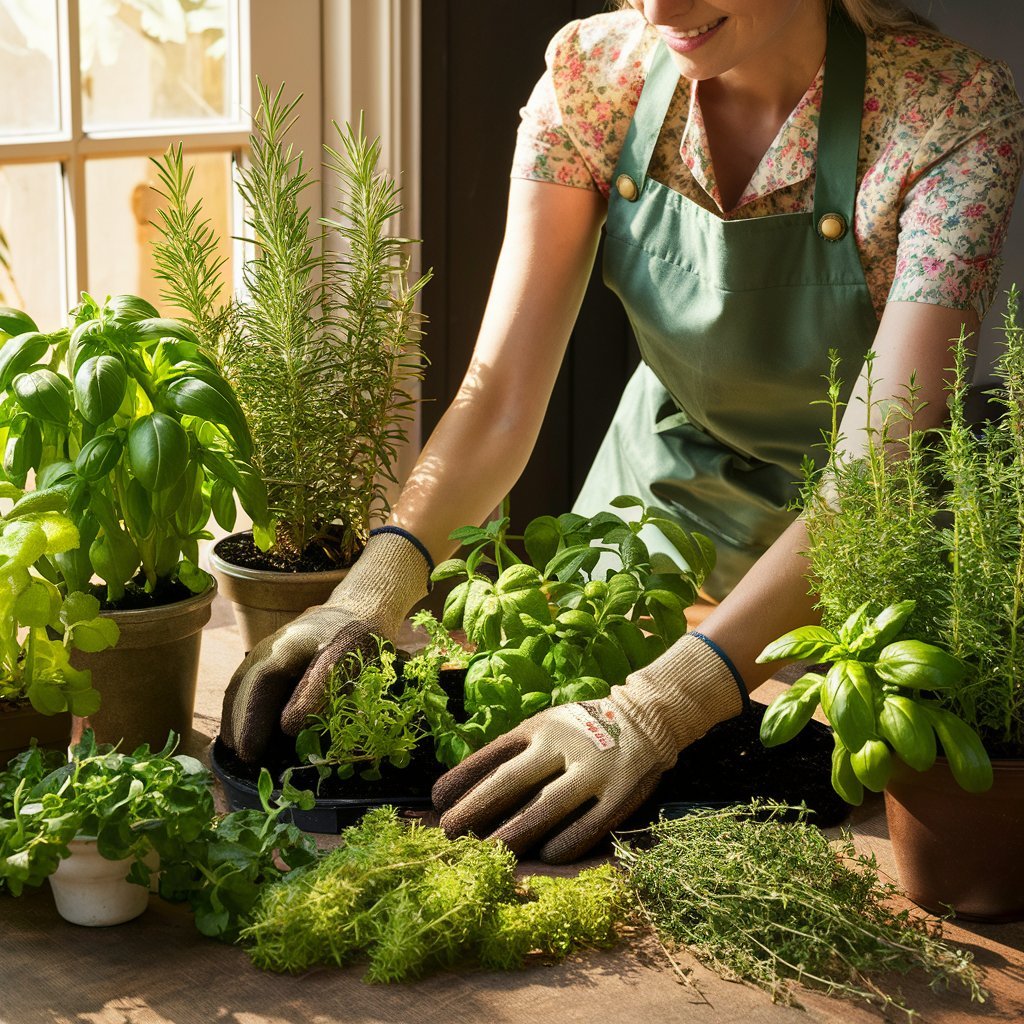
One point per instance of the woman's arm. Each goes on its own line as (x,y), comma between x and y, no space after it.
(912,338)
(483,441)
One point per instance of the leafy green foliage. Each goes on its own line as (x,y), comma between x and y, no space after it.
(38,626)
(564,628)
(876,697)
(126,417)
(325,350)
(411,901)
(370,716)
(131,803)
(222,872)
(938,516)
(773,903)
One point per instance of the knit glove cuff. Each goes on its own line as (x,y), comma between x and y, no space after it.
(678,697)
(388,578)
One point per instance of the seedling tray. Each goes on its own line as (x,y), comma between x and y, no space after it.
(330,814)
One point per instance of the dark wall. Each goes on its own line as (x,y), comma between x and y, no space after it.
(480,63)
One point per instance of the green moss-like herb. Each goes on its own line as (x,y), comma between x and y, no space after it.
(556,916)
(774,903)
(409,900)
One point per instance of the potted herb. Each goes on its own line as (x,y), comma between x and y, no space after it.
(941,523)
(39,628)
(126,418)
(104,825)
(322,352)
(98,824)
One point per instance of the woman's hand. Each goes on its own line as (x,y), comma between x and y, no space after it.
(283,678)
(569,775)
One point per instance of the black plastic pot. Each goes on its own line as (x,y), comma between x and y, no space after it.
(730,765)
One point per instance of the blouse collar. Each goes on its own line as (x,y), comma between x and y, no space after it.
(789,159)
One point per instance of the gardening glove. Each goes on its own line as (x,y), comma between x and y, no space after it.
(289,669)
(611,751)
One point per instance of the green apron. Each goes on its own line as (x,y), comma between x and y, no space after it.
(734,319)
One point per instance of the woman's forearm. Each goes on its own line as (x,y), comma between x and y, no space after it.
(771,599)
(484,440)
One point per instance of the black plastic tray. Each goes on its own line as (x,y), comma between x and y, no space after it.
(329,816)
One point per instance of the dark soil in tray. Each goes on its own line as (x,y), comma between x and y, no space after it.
(240,549)
(730,765)
(413,781)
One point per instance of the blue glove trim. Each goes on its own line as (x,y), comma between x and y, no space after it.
(413,540)
(744,696)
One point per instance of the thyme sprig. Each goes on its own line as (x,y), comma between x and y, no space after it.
(773,903)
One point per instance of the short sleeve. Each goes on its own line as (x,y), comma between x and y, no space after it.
(955,216)
(573,127)
(545,151)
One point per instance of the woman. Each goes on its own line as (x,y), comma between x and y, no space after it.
(775,181)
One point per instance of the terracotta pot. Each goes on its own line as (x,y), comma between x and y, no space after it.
(265,600)
(959,850)
(147,681)
(92,891)
(20,723)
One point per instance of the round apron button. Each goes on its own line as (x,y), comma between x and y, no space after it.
(626,187)
(832,226)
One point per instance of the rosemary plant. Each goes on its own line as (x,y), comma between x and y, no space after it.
(323,350)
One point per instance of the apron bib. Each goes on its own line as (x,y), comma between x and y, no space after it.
(734,320)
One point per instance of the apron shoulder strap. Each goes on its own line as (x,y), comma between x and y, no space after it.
(655,97)
(842,107)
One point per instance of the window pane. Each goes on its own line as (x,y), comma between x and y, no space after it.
(120,206)
(28,45)
(31,250)
(163,61)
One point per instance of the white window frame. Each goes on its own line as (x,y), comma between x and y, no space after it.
(72,145)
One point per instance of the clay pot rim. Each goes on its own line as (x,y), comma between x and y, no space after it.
(163,612)
(218,563)
(1004,763)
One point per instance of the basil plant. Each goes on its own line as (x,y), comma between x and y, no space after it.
(39,627)
(590,604)
(128,417)
(878,697)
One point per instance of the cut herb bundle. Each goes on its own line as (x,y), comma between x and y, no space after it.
(410,900)
(774,903)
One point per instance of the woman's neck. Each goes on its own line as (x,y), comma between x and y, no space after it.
(774,77)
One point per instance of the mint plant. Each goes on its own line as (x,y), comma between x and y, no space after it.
(561,626)
(222,872)
(878,697)
(130,803)
(127,417)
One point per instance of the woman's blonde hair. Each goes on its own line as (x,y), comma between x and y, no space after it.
(878,15)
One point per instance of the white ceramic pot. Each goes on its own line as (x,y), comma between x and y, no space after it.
(91,890)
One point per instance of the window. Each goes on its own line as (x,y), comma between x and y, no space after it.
(99,87)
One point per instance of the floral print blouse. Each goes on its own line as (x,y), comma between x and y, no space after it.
(940,155)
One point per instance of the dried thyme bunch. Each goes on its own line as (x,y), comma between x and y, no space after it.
(409,900)
(774,903)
